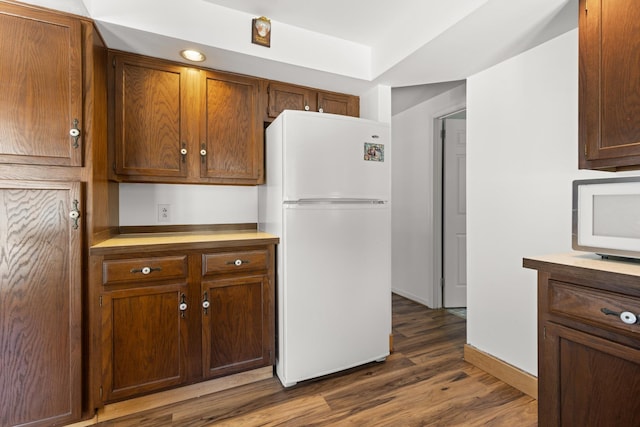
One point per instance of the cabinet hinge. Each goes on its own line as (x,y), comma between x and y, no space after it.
(100,300)
(113,63)
(544,332)
(100,392)
(586,152)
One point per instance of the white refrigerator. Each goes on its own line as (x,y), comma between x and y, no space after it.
(327,196)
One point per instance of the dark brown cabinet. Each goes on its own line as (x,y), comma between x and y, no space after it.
(144,327)
(231,131)
(41,87)
(609,82)
(588,342)
(237,325)
(174,318)
(40,303)
(178,124)
(53,127)
(284,96)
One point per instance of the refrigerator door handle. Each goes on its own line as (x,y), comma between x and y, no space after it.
(330,201)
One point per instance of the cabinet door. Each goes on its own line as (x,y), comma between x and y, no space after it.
(336,103)
(587,381)
(150,117)
(231,130)
(235,326)
(40,87)
(609,84)
(289,97)
(144,334)
(40,304)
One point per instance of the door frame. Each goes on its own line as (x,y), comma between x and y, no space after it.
(438,201)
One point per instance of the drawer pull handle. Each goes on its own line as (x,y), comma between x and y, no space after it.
(238,262)
(183,305)
(626,316)
(145,270)
(205,303)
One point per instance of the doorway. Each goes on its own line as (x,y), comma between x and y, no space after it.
(452,200)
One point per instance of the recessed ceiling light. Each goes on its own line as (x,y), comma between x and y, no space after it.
(192,55)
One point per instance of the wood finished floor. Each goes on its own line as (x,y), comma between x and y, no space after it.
(425,382)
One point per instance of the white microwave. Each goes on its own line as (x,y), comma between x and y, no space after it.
(606,216)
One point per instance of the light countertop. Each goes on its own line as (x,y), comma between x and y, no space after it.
(176,240)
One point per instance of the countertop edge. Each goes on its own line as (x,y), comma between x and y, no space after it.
(559,263)
(128,243)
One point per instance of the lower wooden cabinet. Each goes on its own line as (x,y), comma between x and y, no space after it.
(588,380)
(588,342)
(235,326)
(174,318)
(40,303)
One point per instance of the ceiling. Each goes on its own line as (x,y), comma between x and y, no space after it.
(342,45)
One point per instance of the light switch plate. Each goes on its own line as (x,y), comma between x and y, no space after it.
(164,213)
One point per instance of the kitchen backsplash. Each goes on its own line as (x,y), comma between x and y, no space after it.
(164,204)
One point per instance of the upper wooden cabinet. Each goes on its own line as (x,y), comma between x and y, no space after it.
(230,129)
(178,124)
(609,83)
(151,110)
(41,86)
(283,96)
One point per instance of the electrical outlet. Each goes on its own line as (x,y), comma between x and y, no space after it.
(164,213)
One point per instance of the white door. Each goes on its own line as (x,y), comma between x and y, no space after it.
(455,214)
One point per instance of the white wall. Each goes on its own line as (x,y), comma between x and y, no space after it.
(522,155)
(189,204)
(412,194)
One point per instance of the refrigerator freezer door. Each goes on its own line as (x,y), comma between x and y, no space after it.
(335,293)
(330,156)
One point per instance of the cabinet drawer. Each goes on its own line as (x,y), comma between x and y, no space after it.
(589,304)
(229,262)
(144,269)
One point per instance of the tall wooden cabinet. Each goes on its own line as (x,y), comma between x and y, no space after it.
(178,124)
(609,83)
(40,303)
(53,116)
(588,341)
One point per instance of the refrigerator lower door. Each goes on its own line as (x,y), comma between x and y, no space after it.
(334,295)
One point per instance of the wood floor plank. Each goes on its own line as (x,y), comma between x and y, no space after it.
(425,382)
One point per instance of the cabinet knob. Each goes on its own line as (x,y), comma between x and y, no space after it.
(74,214)
(145,270)
(183,152)
(306,108)
(203,153)
(183,304)
(205,303)
(626,316)
(238,262)
(75,133)
(320,110)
